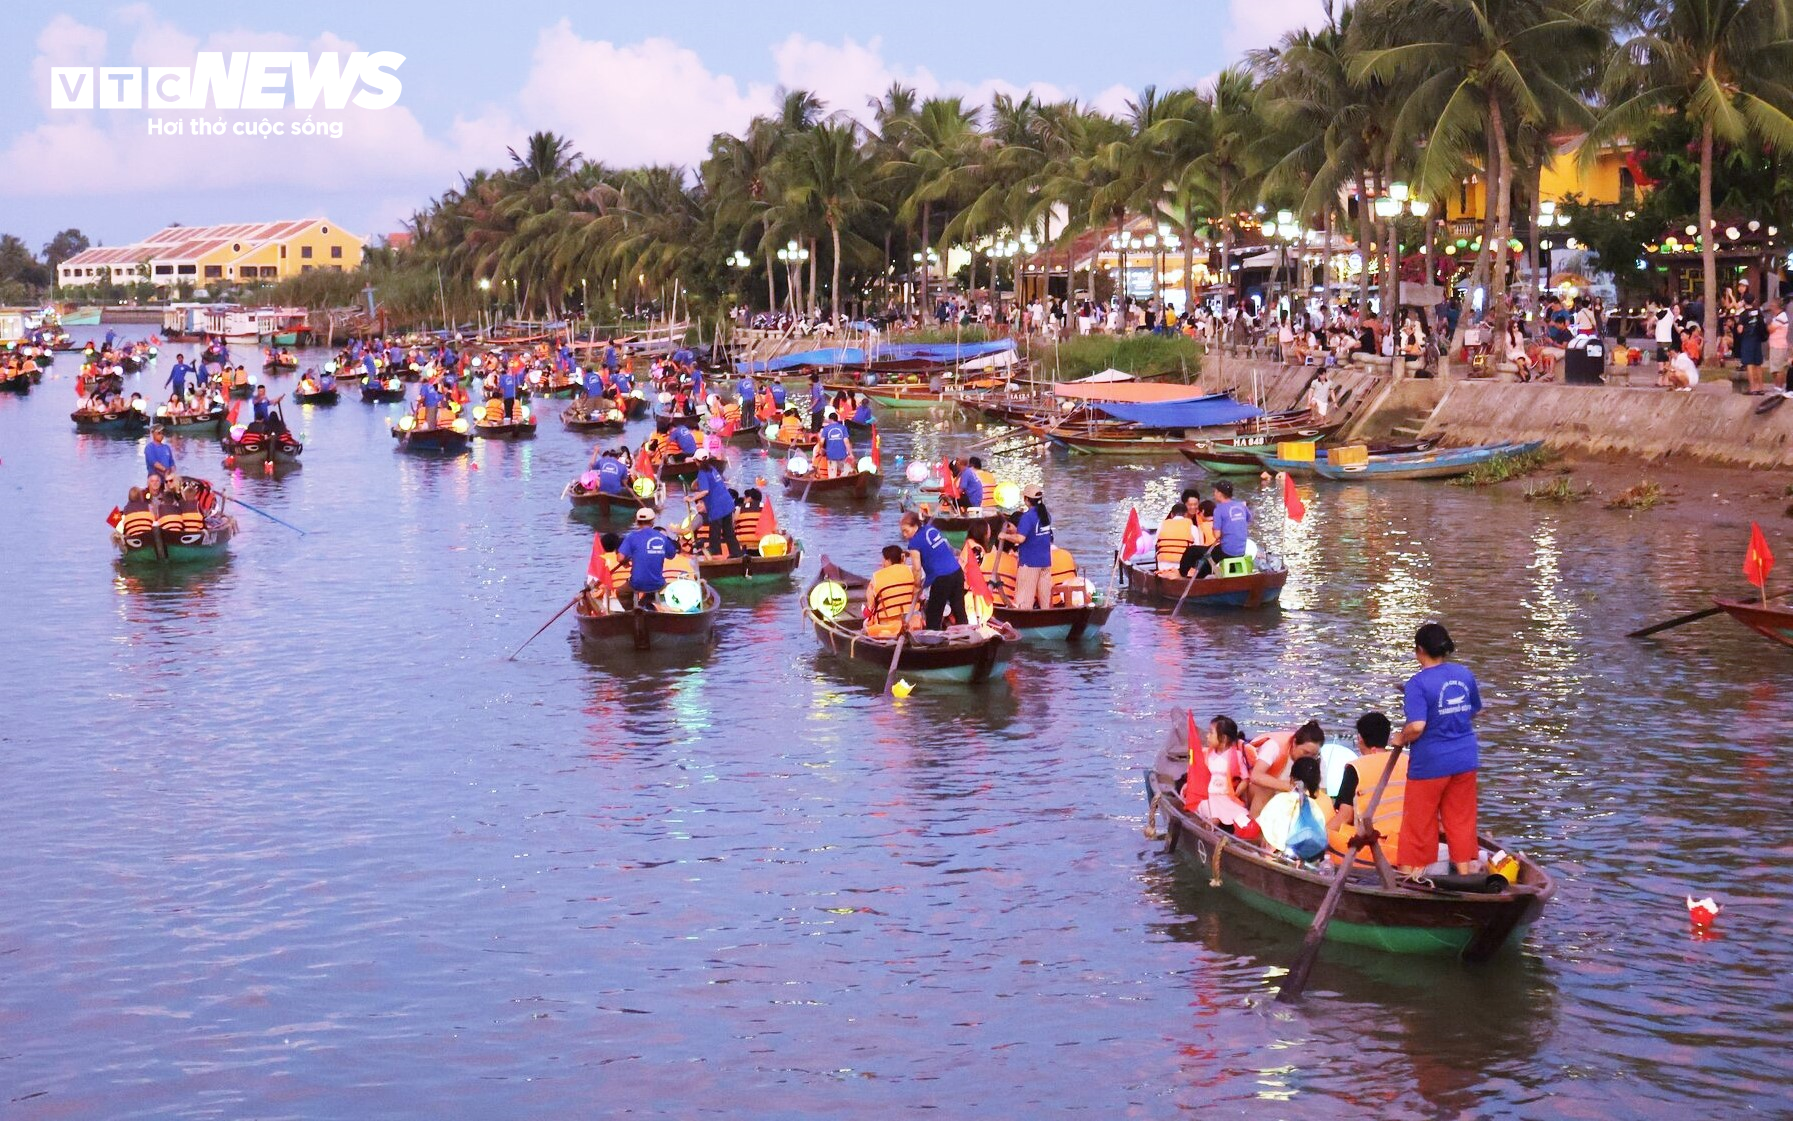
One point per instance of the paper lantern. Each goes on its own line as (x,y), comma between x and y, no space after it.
(901,689)
(683,597)
(917,473)
(774,545)
(1702,912)
(866,465)
(1008,495)
(665,398)
(828,599)
(589,480)
(644,487)
(797,465)
(406,423)
(460,425)
(716,423)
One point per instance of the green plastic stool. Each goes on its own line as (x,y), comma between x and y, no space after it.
(1236,566)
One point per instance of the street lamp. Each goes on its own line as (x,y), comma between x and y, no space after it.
(793,256)
(485,289)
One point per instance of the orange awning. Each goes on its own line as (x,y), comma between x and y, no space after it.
(1136,392)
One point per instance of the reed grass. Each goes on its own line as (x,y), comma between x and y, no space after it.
(1504,467)
(1640,497)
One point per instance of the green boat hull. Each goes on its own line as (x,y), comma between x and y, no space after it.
(1443,941)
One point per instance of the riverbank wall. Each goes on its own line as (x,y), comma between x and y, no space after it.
(1713,424)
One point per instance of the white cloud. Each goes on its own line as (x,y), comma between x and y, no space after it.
(1260,23)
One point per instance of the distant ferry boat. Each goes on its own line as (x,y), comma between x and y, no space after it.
(276,326)
(86,315)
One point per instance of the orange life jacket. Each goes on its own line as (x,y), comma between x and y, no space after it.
(1388,811)
(1064,573)
(1175,535)
(681,565)
(135,522)
(888,599)
(1205,534)
(747,527)
(1003,569)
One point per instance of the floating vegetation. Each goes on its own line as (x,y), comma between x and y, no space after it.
(1640,497)
(1560,489)
(1504,467)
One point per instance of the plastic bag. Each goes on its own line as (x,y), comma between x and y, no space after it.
(1307,837)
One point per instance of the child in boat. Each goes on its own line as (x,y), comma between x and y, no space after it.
(1224,758)
(1277,818)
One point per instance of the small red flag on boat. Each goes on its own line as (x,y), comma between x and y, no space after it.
(115,517)
(1195,787)
(1758,562)
(1130,535)
(877,457)
(598,568)
(1291,500)
(643,465)
(976,585)
(949,486)
(768,519)
(235,408)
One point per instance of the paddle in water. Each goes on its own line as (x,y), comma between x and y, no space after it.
(1682,620)
(1316,934)
(544,626)
(263,513)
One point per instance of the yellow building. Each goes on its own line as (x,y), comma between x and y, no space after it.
(216,256)
(1610,180)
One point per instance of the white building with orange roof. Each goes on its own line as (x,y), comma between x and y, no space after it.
(216,256)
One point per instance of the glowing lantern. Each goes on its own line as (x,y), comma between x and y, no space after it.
(901,689)
(683,597)
(1008,496)
(1702,912)
(866,466)
(406,423)
(917,473)
(828,599)
(644,487)
(460,425)
(797,465)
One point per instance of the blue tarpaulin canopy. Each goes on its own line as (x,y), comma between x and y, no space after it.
(946,354)
(1213,411)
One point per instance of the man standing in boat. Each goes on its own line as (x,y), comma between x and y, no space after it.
(941,576)
(158,457)
(507,389)
(1440,706)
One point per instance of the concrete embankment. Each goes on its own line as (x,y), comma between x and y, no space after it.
(1713,425)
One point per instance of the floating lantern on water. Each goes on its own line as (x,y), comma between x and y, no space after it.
(901,689)
(797,465)
(1702,912)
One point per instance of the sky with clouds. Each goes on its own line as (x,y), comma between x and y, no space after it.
(629,83)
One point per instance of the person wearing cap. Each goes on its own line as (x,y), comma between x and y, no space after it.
(837,446)
(941,575)
(1032,532)
(718,505)
(158,456)
(646,550)
(971,486)
(683,440)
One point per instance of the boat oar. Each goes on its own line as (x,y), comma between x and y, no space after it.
(896,655)
(1316,934)
(263,513)
(1694,617)
(544,626)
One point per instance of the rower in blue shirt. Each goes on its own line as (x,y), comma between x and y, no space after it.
(368,364)
(611,361)
(863,414)
(177,377)
(507,389)
(941,576)
(1232,521)
(683,439)
(971,484)
(697,385)
(1032,532)
(594,384)
(778,396)
(646,548)
(683,356)
(837,445)
(432,400)
(817,402)
(746,391)
(158,457)
(613,474)
(623,382)
(711,490)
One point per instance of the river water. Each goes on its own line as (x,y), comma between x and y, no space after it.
(288,837)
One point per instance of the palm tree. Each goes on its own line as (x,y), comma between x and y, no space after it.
(1481,70)
(544,159)
(1721,62)
(942,165)
(832,176)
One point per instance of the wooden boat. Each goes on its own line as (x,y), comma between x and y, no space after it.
(1257,589)
(377,394)
(859,485)
(160,546)
(1774,622)
(326,394)
(678,469)
(577,421)
(252,448)
(1372,912)
(441,440)
(1112,437)
(275,360)
(129,421)
(745,435)
(194,424)
(560,388)
(904,393)
(1056,624)
(602,505)
(958,654)
(639,629)
(749,567)
(1218,459)
(16,381)
(1439,463)
(958,525)
(773,442)
(666,422)
(521,428)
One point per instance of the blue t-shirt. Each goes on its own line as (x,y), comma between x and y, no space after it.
(611,473)
(623,381)
(836,444)
(178,376)
(263,407)
(937,555)
(1445,696)
(159,458)
(778,394)
(685,441)
(610,360)
(718,502)
(594,384)
(816,395)
(507,385)
(863,414)
(745,390)
(430,395)
(646,550)
(1232,520)
(971,488)
(368,364)
(1036,548)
